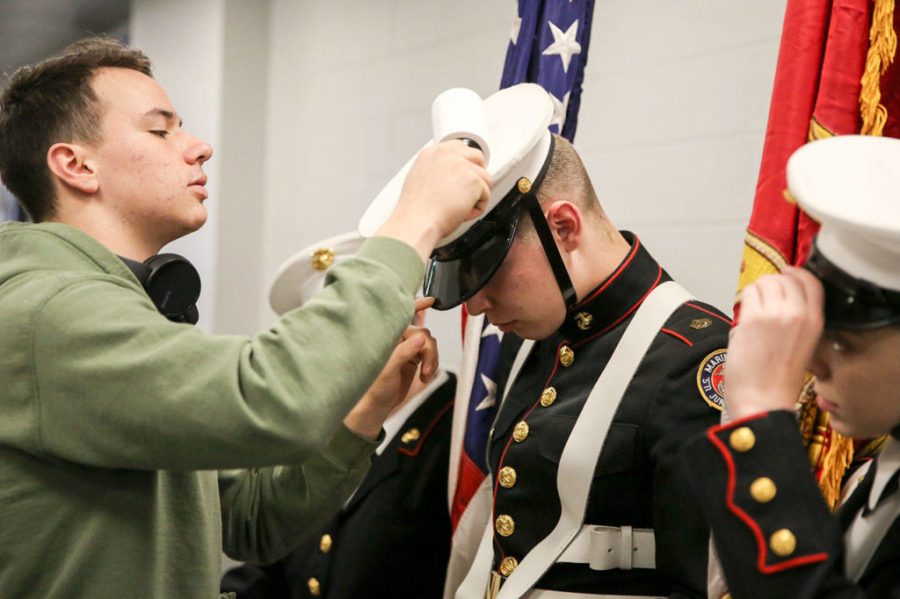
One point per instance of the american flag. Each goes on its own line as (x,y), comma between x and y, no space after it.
(548,46)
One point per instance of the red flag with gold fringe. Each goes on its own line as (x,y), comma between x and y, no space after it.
(833,77)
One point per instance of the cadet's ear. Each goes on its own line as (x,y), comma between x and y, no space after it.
(70,165)
(565,222)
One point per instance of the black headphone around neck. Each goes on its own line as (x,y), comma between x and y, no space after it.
(172,283)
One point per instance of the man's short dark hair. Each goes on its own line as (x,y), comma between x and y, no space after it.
(51,102)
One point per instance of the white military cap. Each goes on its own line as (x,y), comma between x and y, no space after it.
(302,276)
(510,127)
(851,185)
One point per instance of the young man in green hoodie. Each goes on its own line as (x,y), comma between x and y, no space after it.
(118,423)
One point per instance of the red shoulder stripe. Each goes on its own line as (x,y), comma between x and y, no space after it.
(677,336)
(719,316)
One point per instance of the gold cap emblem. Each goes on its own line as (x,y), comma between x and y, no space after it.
(411,435)
(700,323)
(584,320)
(763,489)
(783,542)
(322,258)
(548,396)
(325,543)
(507,477)
(315,589)
(508,565)
(566,356)
(742,439)
(524,185)
(505,525)
(520,433)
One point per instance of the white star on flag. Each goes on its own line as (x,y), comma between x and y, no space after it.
(489,384)
(491,397)
(559,110)
(514,34)
(564,44)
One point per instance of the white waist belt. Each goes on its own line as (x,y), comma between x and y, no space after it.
(612,547)
(541,594)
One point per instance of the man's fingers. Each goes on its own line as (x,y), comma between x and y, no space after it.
(428,355)
(423,303)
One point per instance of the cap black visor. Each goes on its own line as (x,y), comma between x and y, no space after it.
(459,269)
(851,303)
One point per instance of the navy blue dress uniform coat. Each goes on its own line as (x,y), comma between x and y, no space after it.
(393,537)
(778,539)
(638,480)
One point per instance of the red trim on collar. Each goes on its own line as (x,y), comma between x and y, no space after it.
(729,322)
(434,422)
(762,548)
(614,276)
(628,312)
(677,336)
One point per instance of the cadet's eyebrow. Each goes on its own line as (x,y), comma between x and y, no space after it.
(167,114)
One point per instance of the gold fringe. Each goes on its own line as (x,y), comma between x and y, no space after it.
(833,463)
(830,453)
(882,48)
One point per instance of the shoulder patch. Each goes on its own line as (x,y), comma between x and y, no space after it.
(711,378)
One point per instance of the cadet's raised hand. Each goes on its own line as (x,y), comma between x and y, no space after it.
(772,346)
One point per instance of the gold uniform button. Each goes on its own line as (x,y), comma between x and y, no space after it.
(315,589)
(783,542)
(763,490)
(325,543)
(507,477)
(742,439)
(505,525)
(584,320)
(520,433)
(411,435)
(508,565)
(548,397)
(566,356)
(524,185)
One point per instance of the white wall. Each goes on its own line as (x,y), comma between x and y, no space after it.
(672,120)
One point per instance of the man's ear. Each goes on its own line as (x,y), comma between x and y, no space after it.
(70,165)
(566,224)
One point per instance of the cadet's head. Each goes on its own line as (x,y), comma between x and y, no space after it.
(53,101)
(543,239)
(851,185)
(523,295)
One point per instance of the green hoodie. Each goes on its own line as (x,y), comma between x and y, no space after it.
(117,425)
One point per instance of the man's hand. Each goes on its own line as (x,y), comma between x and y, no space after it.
(415,352)
(771,348)
(446,185)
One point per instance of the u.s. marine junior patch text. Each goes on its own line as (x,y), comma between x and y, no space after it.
(711,378)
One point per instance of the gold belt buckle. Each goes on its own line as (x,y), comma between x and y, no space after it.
(493,587)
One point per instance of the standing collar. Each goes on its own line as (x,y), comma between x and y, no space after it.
(614,299)
(397,419)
